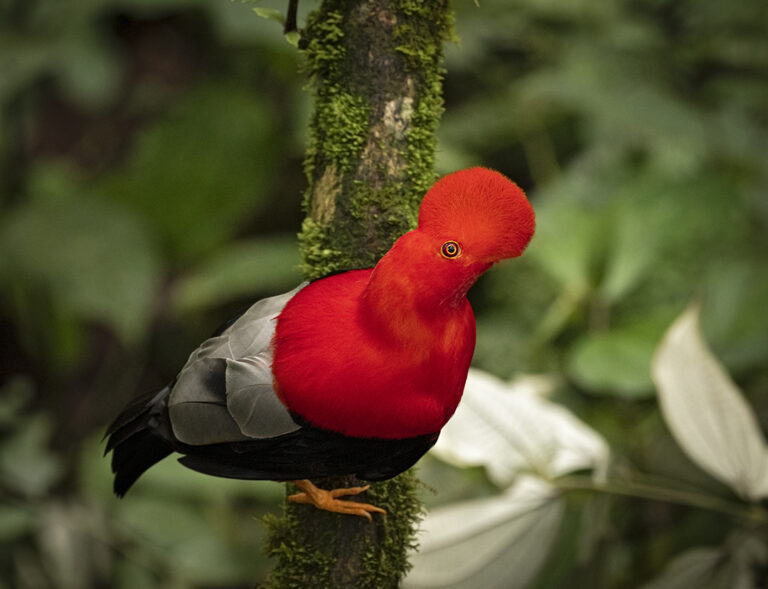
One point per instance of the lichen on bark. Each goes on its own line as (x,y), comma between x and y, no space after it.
(375,69)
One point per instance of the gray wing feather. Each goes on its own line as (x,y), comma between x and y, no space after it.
(251,399)
(225,393)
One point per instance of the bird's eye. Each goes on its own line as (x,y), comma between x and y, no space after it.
(450,249)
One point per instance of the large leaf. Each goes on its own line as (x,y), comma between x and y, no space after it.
(495,543)
(565,242)
(200,173)
(244,267)
(94,260)
(707,413)
(617,361)
(510,428)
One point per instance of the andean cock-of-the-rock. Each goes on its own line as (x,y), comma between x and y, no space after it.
(352,374)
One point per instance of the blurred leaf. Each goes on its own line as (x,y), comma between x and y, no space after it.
(270,14)
(625,102)
(293,38)
(496,543)
(26,463)
(616,362)
(67,541)
(630,252)
(243,268)
(21,60)
(15,522)
(94,473)
(14,396)
(510,428)
(733,566)
(564,244)
(735,315)
(131,575)
(89,72)
(236,25)
(94,259)
(702,568)
(187,541)
(706,412)
(200,173)
(446,483)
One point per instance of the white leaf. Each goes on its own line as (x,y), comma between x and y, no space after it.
(510,427)
(732,566)
(694,568)
(706,412)
(495,543)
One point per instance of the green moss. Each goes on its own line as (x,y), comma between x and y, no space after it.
(397,496)
(323,43)
(421,141)
(319,258)
(340,126)
(310,554)
(301,559)
(421,39)
(340,120)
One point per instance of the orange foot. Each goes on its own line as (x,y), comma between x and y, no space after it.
(327,500)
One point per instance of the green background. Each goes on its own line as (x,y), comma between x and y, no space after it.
(150,180)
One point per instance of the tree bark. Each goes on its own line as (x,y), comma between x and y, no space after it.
(375,68)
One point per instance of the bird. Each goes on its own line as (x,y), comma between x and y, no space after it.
(351,374)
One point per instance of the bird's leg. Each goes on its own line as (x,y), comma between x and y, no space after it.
(327,500)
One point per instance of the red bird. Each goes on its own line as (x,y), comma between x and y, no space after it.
(351,374)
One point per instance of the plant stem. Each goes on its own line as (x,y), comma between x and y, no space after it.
(747,512)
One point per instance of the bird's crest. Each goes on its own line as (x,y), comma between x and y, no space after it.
(483,210)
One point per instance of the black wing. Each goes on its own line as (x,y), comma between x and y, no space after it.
(309,452)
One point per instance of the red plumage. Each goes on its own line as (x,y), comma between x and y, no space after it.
(481,209)
(385,352)
(343,372)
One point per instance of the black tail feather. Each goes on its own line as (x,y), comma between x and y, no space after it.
(138,439)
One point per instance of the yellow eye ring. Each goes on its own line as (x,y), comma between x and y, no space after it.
(450,249)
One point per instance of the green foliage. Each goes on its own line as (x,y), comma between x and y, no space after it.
(42,241)
(244,267)
(141,173)
(642,150)
(149,148)
(176,182)
(341,125)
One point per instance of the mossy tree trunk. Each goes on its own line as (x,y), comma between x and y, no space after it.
(375,66)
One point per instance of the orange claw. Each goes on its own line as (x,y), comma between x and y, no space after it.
(328,501)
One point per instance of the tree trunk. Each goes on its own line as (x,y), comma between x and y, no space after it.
(375,67)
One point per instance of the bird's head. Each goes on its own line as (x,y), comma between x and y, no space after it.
(477,215)
(468,221)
